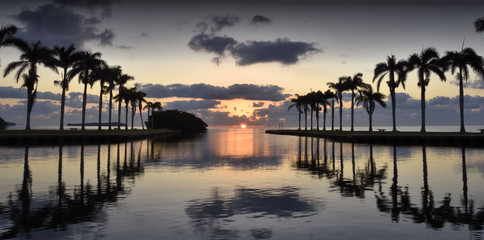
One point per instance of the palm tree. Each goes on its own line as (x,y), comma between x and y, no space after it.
(140,98)
(6,36)
(391,68)
(32,55)
(312,102)
(65,59)
(152,106)
(320,100)
(462,61)
(326,96)
(427,62)
(354,83)
(121,81)
(479,24)
(339,88)
(123,95)
(103,74)
(369,98)
(87,63)
(133,99)
(305,108)
(115,74)
(298,104)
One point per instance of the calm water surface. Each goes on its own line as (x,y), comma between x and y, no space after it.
(241,184)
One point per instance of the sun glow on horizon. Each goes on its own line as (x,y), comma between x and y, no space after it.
(243,125)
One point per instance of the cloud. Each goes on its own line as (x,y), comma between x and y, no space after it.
(210,92)
(215,24)
(258,19)
(476,84)
(192,105)
(281,50)
(211,43)
(258,104)
(105,5)
(54,25)
(10,92)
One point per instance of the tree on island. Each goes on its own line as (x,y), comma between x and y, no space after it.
(461,61)
(369,100)
(178,120)
(393,69)
(426,62)
(31,56)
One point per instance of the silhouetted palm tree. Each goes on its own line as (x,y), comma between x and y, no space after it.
(152,106)
(65,59)
(84,67)
(326,96)
(369,100)
(312,102)
(31,56)
(140,98)
(354,83)
(298,104)
(392,68)
(462,61)
(479,24)
(427,62)
(133,99)
(305,108)
(6,36)
(339,88)
(320,100)
(123,95)
(121,81)
(104,75)
(115,75)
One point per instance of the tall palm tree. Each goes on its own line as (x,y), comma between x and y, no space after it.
(326,96)
(87,63)
(140,98)
(298,104)
(312,102)
(103,74)
(354,83)
(461,61)
(479,24)
(427,62)
(121,81)
(320,100)
(133,99)
(115,75)
(392,68)
(369,100)
(31,56)
(123,95)
(65,59)
(305,108)
(152,106)
(6,36)
(339,88)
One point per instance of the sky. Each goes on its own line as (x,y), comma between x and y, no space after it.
(233,62)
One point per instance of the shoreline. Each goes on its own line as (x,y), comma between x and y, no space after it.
(450,139)
(76,137)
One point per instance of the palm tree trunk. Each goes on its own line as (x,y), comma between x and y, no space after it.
(29,108)
(461,101)
(422,106)
(110,107)
(312,110)
(133,112)
(392,94)
(352,109)
(341,114)
(370,116)
(126,116)
(100,106)
(332,114)
(299,120)
(324,118)
(141,116)
(305,119)
(84,96)
(119,114)
(63,103)
(317,118)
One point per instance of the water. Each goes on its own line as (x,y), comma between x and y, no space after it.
(235,183)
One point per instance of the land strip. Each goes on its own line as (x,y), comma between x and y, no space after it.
(394,138)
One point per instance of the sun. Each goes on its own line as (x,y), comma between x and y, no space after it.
(243,125)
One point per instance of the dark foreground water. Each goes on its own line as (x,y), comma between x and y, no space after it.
(241,184)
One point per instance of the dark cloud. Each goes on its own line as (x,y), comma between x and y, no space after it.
(191,105)
(258,19)
(258,104)
(55,25)
(211,43)
(282,50)
(215,24)
(209,92)
(104,5)
(476,84)
(10,92)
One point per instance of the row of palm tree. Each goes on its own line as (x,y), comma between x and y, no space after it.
(87,66)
